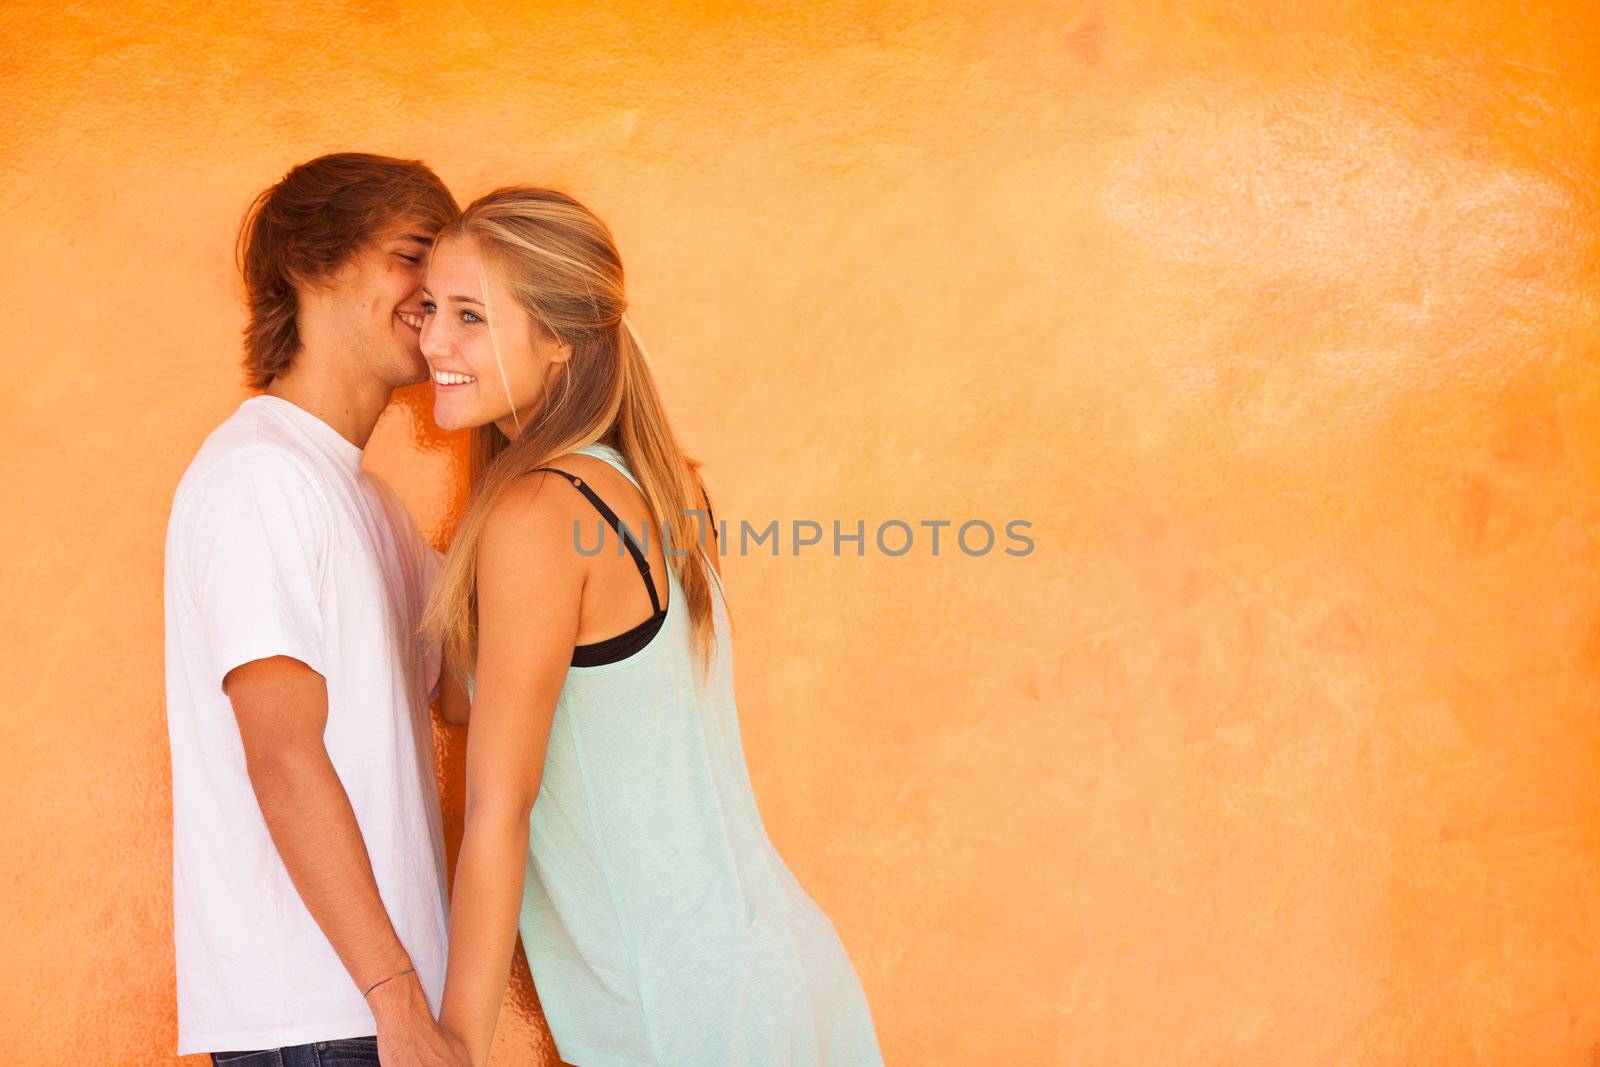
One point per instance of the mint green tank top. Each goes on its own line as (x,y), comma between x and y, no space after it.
(660,924)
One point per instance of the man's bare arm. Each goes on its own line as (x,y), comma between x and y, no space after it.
(282,709)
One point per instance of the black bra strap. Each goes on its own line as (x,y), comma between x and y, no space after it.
(616,524)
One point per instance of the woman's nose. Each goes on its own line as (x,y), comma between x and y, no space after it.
(429,339)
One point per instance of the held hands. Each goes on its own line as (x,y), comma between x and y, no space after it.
(408,1034)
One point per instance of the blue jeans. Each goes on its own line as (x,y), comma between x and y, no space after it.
(345,1052)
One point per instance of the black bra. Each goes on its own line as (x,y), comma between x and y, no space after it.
(627,643)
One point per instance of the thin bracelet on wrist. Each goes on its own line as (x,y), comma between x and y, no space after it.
(380,981)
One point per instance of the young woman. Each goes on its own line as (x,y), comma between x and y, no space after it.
(609,814)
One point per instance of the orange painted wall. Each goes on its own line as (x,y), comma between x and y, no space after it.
(1279,325)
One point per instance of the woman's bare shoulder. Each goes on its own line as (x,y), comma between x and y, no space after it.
(532,519)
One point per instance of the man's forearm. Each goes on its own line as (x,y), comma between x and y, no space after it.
(314,828)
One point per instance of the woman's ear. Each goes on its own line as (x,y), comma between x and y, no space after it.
(545,341)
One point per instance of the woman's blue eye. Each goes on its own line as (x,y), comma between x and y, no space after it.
(468,316)
(427,307)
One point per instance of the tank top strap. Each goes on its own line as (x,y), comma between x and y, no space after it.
(601,450)
(613,456)
(616,524)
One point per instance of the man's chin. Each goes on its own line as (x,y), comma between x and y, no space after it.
(418,371)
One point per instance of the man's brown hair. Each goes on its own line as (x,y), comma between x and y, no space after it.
(302,230)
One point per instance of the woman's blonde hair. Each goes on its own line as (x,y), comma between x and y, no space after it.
(560,263)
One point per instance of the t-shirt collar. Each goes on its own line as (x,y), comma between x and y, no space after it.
(337,444)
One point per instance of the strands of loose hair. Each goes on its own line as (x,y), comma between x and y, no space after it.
(494,346)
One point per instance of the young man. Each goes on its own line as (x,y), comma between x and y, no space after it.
(310,911)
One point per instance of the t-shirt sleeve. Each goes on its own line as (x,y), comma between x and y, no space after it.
(259,533)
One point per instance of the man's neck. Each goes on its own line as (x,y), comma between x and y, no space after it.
(351,408)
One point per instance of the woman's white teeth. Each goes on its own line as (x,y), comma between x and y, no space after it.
(444,377)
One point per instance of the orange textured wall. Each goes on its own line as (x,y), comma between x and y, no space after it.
(1277,321)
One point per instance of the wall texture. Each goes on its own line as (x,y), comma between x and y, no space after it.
(1283,745)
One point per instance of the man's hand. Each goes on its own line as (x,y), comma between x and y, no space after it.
(408,1034)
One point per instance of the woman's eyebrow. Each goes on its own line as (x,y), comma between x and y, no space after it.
(457,299)
(425,242)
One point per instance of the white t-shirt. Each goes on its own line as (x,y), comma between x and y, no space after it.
(281,544)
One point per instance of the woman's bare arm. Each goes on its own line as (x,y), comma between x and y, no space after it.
(530,584)
(455,706)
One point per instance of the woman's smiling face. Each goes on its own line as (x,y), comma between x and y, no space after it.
(456,341)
